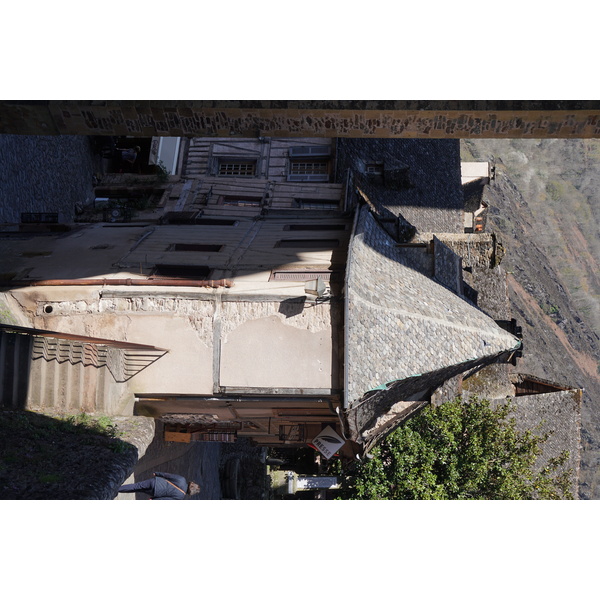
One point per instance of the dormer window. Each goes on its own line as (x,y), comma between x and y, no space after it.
(374,168)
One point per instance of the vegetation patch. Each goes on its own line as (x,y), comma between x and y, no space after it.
(459,451)
(44,457)
(5,314)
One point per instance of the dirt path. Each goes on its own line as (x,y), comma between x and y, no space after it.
(586,363)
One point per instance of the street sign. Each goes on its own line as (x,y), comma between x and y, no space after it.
(328,442)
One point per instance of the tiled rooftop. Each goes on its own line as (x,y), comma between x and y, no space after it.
(402,323)
(421,179)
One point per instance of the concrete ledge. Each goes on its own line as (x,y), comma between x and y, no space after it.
(139,433)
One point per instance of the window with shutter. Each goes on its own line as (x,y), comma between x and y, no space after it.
(307,151)
(312,243)
(298,275)
(307,169)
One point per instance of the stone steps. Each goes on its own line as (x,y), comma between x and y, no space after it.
(15,353)
(33,380)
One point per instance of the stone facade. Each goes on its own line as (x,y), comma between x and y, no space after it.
(366,119)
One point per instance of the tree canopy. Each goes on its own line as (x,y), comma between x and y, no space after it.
(460,450)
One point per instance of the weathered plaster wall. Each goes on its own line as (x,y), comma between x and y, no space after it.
(211,343)
(270,345)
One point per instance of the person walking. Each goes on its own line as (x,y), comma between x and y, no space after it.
(128,154)
(163,486)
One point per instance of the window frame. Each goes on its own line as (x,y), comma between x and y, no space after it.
(234,161)
(309,155)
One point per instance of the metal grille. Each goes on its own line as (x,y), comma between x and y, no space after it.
(313,167)
(237,168)
(241,201)
(299,275)
(317,204)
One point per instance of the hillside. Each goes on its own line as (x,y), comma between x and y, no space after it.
(543,203)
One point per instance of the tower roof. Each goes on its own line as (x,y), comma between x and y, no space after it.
(404,328)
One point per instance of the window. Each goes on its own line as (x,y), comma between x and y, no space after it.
(315,227)
(312,243)
(195,248)
(309,163)
(241,201)
(228,167)
(316,204)
(219,222)
(291,433)
(309,170)
(192,218)
(179,218)
(374,168)
(182,271)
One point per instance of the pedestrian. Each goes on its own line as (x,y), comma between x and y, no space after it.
(163,486)
(128,154)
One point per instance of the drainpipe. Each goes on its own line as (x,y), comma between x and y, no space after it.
(211,283)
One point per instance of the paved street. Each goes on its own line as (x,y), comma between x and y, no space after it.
(53,174)
(197,462)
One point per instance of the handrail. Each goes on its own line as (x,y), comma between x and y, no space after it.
(78,338)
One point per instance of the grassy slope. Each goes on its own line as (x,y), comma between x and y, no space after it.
(543,204)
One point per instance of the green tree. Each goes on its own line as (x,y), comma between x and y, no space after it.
(459,450)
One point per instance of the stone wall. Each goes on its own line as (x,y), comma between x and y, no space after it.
(376,119)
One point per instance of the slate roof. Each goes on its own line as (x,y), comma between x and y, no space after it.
(403,325)
(421,179)
(559,414)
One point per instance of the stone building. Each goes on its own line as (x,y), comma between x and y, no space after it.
(284,288)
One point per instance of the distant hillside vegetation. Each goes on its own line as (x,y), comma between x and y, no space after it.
(544,203)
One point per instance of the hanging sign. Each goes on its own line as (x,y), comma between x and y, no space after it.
(328,442)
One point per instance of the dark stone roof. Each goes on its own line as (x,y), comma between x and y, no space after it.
(420,179)
(556,413)
(402,325)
